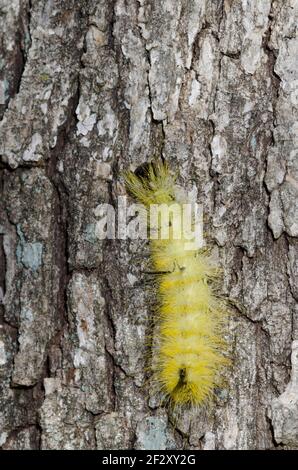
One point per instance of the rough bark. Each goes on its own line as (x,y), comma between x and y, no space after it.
(88,88)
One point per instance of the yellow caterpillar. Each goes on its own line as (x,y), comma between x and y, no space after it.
(190,351)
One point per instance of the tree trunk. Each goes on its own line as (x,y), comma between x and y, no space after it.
(87,89)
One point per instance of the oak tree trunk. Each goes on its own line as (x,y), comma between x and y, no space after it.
(87,89)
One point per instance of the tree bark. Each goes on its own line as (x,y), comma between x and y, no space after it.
(87,89)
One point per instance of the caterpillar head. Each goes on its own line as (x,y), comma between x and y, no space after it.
(189,379)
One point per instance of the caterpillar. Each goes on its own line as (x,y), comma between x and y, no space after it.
(191,317)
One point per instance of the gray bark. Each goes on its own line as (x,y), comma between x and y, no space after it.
(87,89)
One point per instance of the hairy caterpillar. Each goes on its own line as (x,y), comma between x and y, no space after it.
(191,349)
